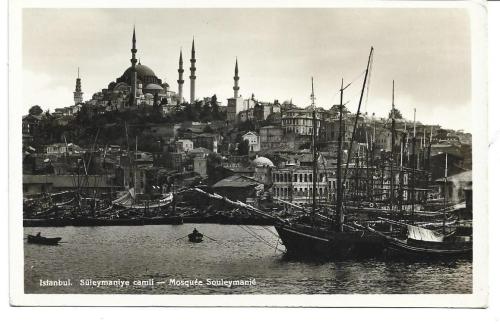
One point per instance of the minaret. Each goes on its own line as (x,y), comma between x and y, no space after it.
(180,82)
(78,94)
(133,60)
(236,78)
(192,77)
(313,98)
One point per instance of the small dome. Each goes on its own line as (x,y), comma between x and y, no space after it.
(121,86)
(153,86)
(262,161)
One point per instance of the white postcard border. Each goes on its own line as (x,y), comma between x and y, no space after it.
(478,298)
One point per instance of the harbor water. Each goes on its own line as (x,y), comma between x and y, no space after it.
(232,259)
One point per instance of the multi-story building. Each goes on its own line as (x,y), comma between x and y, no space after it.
(300,121)
(246,115)
(271,137)
(234,107)
(207,140)
(295,184)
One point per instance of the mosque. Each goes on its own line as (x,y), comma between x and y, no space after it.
(140,85)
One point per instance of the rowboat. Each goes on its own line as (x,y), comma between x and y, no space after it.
(195,237)
(37,239)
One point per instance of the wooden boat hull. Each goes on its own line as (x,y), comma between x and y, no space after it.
(308,243)
(171,220)
(429,249)
(425,249)
(195,238)
(43,240)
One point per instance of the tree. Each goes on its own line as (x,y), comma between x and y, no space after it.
(208,129)
(246,126)
(155,100)
(35,110)
(243,147)
(156,115)
(213,161)
(206,113)
(397,114)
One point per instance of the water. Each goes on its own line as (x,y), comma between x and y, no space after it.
(153,252)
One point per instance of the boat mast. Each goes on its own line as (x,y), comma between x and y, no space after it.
(428,165)
(445,191)
(401,173)
(128,155)
(413,164)
(315,158)
(135,167)
(357,114)
(338,205)
(391,196)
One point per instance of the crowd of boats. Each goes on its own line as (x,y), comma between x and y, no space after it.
(396,226)
(403,220)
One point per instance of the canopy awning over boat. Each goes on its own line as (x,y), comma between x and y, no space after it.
(424,234)
(128,201)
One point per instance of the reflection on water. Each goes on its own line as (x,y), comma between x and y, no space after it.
(153,252)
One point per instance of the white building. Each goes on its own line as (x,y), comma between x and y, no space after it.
(184,145)
(62,148)
(253,141)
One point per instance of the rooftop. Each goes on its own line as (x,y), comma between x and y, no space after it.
(236,181)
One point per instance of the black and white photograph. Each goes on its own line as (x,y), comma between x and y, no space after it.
(247,151)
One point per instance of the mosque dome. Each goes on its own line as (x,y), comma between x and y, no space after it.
(144,74)
(262,162)
(142,71)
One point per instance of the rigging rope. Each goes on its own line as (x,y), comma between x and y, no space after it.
(257,236)
(348,84)
(368,84)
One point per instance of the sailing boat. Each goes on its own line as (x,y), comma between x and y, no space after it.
(420,241)
(322,236)
(129,199)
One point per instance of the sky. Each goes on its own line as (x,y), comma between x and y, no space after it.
(425,51)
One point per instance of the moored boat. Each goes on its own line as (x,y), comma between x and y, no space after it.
(319,236)
(421,242)
(305,241)
(38,239)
